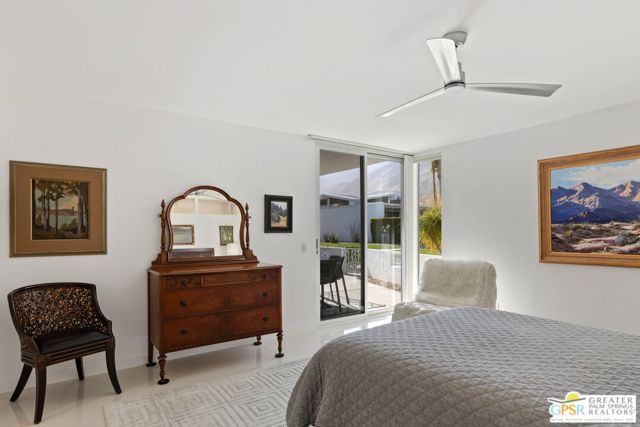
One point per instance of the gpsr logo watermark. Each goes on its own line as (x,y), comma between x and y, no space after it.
(593,408)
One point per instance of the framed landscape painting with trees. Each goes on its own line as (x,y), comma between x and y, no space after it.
(57,210)
(590,208)
(278,214)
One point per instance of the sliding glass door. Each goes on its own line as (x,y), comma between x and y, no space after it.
(341,234)
(384,222)
(360,244)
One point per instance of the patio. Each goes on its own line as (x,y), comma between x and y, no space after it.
(378,296)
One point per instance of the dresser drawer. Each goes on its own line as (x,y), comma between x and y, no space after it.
(183,282)
(265,275)
(254,321)
(186,302)
(226,278)
(194,331)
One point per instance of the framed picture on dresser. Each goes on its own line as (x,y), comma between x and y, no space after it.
(57,209)
(278,214)
(184,234)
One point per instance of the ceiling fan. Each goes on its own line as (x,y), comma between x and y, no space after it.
(444,52)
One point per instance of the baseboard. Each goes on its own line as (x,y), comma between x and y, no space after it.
(95,364)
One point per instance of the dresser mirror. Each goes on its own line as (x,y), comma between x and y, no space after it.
(204,224)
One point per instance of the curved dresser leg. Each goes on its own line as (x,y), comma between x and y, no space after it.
(162,360)
(258,340)
(279,353)
(150,361)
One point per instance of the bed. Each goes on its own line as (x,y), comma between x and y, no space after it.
(460,367)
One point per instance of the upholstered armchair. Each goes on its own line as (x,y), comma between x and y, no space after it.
(451,283)
(57,322)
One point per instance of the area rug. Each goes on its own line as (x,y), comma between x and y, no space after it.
(256,398)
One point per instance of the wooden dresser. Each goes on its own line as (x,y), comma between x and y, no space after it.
(202,301)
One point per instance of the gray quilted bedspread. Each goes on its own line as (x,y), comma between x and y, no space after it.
(461,367)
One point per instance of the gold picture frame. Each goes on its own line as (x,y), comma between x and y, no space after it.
(57,209)
(184,234)
(596,221)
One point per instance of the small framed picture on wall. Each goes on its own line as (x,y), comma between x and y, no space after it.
(278,214)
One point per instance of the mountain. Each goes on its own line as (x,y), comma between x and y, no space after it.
(629,190)
(382,177)
(588,203)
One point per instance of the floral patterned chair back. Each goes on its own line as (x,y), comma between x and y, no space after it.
(40,310)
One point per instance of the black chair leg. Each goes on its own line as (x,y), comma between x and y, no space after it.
(24,377)
(338,293)
(111,368)
(322,294)
(345,290)
(80,368)
(41,390)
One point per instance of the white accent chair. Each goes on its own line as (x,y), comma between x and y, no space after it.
(446,284)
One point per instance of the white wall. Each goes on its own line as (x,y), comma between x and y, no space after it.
(150,155)
(490,211)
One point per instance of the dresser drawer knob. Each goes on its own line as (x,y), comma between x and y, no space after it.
(264,276)
(265,294)
(265,318)
(184,331)
(183,303)
(183,282)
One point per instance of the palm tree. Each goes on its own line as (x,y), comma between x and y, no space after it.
(439,173)
(435,171)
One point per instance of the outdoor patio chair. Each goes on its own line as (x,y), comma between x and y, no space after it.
(328,277)
(340,274)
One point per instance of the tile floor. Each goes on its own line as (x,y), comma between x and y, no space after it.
(73,403)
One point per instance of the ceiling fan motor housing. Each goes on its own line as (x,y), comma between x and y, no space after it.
(458,37)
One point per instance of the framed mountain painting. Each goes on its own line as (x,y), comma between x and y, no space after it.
(590,208)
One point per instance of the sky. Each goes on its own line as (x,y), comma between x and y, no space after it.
(604,175)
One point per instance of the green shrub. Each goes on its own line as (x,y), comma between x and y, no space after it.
(330,238)
(354,233)
(431,230)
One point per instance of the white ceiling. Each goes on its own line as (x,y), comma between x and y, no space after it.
(328,67)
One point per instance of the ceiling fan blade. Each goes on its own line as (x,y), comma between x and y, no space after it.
(412,103)
(532,89)
(446,57)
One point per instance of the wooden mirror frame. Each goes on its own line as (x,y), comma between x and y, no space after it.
(165,223)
